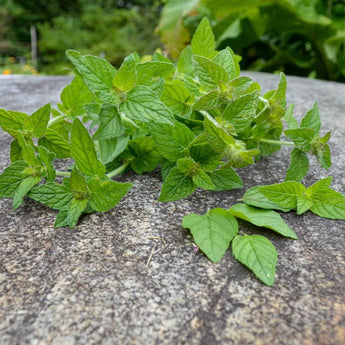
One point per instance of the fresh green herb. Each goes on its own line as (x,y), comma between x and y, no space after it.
(197,122)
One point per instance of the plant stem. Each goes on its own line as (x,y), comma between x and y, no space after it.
(56,119)
(63,173)
(119,170)
(277,142)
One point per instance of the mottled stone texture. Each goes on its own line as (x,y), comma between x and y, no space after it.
(95,284)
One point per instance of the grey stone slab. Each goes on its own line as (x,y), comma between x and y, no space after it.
(95,284)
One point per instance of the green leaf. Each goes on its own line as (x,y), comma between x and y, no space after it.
(83,151)
(105,195)
(201,179)
(75,210)
(175,96)
(228,60)
(208,101)
(97,74)
(12,121)
(203,41)
(241,86)
(143,105)
(56,143)
(263,218)
(205,156)
(278,96)
(177,185)
(52,194)
(212,232)
(112,148)
(38,121)
(210,73)
(330,204)
(77,182)
(283,194)
(289,118)
(47,159)
(258,254)
(253,197)
(126,76)
(217,136)
(225,179)
(74,96)
(312,119)
(146,155)
(185,64)
(151,70)
(241,112)
(172,142)
(15,151)
(28,150)
(61,219)
(303,204)
(299,166)
(23,189)
(322,151)
(302,137)
(110,123)
(11,178)
(319,188)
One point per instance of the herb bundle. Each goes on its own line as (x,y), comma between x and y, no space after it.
(197,121)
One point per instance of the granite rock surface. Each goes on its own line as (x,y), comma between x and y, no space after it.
(132,276)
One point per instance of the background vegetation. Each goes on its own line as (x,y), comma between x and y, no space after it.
(300,37)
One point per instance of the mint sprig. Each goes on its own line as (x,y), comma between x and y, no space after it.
(198,121)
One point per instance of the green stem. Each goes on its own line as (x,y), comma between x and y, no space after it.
(119,170)
(55,119)
(63,173)
(277,142)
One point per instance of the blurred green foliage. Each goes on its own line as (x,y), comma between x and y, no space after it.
(300,37)
(108,28)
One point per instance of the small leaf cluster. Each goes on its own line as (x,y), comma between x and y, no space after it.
(213,231)
(197,121)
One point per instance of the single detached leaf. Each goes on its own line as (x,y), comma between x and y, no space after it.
(225,179)
(212,232)
(38,121)
(263,218)
(253,197)
(143,105)
(11,178)
(258,254)
(172,142)
(203,41)
(283,194)
(53,195)
(177,185)
(105,195)
(299,166)
(312,119)
(83,151)
(97,74)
